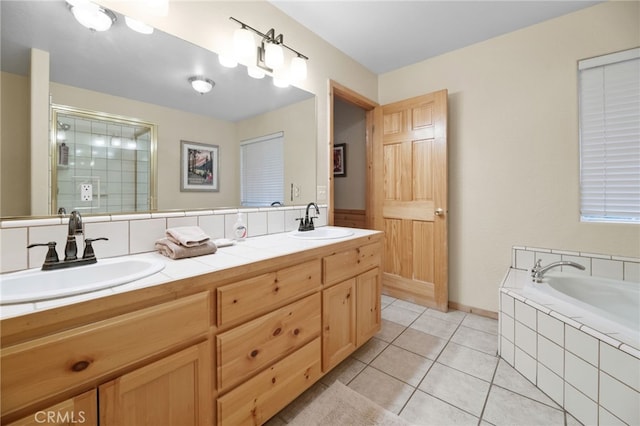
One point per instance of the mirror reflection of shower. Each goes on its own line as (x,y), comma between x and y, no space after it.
(101,163)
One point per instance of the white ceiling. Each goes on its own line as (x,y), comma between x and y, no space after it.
(386,35)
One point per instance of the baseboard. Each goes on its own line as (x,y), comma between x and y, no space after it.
(470,309)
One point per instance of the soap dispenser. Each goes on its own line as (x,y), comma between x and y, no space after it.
(239,229)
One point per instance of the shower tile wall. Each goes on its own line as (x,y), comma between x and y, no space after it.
(111,159)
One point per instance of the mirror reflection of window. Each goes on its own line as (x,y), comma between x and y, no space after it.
(101,163)
(262,170)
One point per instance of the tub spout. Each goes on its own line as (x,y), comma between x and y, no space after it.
(538,271)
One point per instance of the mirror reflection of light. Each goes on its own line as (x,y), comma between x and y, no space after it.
(115,141)
(131,145)
(93,163)
(98,141)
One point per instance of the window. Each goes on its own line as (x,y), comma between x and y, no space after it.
(609,90)
(262,170)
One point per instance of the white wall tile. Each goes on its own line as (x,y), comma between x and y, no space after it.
(173,222)
(118,234)
(607,268)
(581,375)
(44,234)
(526,365)
(507,327)
(551,384)
(551,355)
(581,344)
(524,259)
(548,258)
(13,249)
(584,261)
(507,304)
(212,225)
(257,224)
(632,271)
(525,339)
(620,365)
(580,407)
(144,233)
(275,221)
(620,399)
(290,222)
(507,351)
(551,328)
(608,419)
(526,315)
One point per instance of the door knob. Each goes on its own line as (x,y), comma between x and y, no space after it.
(439,212)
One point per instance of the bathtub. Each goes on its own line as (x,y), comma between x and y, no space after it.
(575,337)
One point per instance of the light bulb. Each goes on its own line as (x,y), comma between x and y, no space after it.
(92,16)
(298,69)
(227,61)
(273,56)
(244,45)
(255,72)
(281,78)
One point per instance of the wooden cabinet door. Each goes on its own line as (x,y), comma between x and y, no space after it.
(175,390)
(338,323)
(82,409)
(368,290)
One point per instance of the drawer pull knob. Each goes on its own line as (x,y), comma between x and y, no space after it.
(254,353)
(277,331)
(80,366)
(296,332)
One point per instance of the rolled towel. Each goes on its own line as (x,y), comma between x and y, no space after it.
(170,249)
(188,236)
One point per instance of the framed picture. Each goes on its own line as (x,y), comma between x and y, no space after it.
(340,160)
(199,169)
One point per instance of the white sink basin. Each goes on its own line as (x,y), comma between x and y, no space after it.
(34,285)
(321,234)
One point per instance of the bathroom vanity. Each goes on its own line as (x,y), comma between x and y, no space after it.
(230,346)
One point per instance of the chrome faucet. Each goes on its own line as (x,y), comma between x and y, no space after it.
(75,228)
(306,223)
(538,271)
(71,249)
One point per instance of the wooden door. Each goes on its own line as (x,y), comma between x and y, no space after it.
(368,321)
(410,191)
(338,323)
(175,390)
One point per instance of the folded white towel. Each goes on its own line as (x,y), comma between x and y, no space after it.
(168,248)
(188,236)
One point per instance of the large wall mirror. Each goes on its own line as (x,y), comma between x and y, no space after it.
(145,78)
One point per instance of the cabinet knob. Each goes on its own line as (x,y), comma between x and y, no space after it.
(80,366)
(439,212)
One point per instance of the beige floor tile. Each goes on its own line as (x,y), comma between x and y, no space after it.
(457,388)
(421,343)
(290,411)
(451,316)
(507,408)
(477,322)
(389,331)
(384,390)
(476,339)
(399,315)
(344,372)
(367,352)
(410,306)
(402,364)
(425,410)
(437,327)
(387,300)
(469,361)
(508,377)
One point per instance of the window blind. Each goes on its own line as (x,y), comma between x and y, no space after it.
(609,90)
(262,170)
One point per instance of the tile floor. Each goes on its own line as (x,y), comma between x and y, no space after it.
(432,368)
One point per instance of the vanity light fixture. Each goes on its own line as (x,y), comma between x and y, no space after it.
(91,16)
(201,85)
(269,54)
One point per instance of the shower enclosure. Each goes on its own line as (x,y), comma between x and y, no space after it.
(101,163)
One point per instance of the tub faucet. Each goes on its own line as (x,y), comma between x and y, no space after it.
(75,228)
(306,223)
(538,271)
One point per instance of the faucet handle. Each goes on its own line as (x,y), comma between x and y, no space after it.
(52,254)
(88,248)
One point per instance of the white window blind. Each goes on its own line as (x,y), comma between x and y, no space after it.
(609,89)
(262,170)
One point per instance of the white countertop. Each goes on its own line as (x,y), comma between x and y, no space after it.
(251,250)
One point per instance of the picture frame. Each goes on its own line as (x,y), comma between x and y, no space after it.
(340,160)
(199,167)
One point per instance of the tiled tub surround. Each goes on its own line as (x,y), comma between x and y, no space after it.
(136,233)
(578,359)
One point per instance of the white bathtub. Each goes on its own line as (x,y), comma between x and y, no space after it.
(613,300)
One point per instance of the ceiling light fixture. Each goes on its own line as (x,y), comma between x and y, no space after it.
(201,85)
(269,53)
(92,16)
(138,26)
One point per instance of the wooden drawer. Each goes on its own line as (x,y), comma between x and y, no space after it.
(254,296)
(258,399)
(347,264)
(69,360)
(245,350)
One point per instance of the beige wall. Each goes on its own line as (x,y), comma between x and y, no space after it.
(513,143)
(349,127)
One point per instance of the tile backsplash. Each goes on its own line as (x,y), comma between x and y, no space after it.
(136,233)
